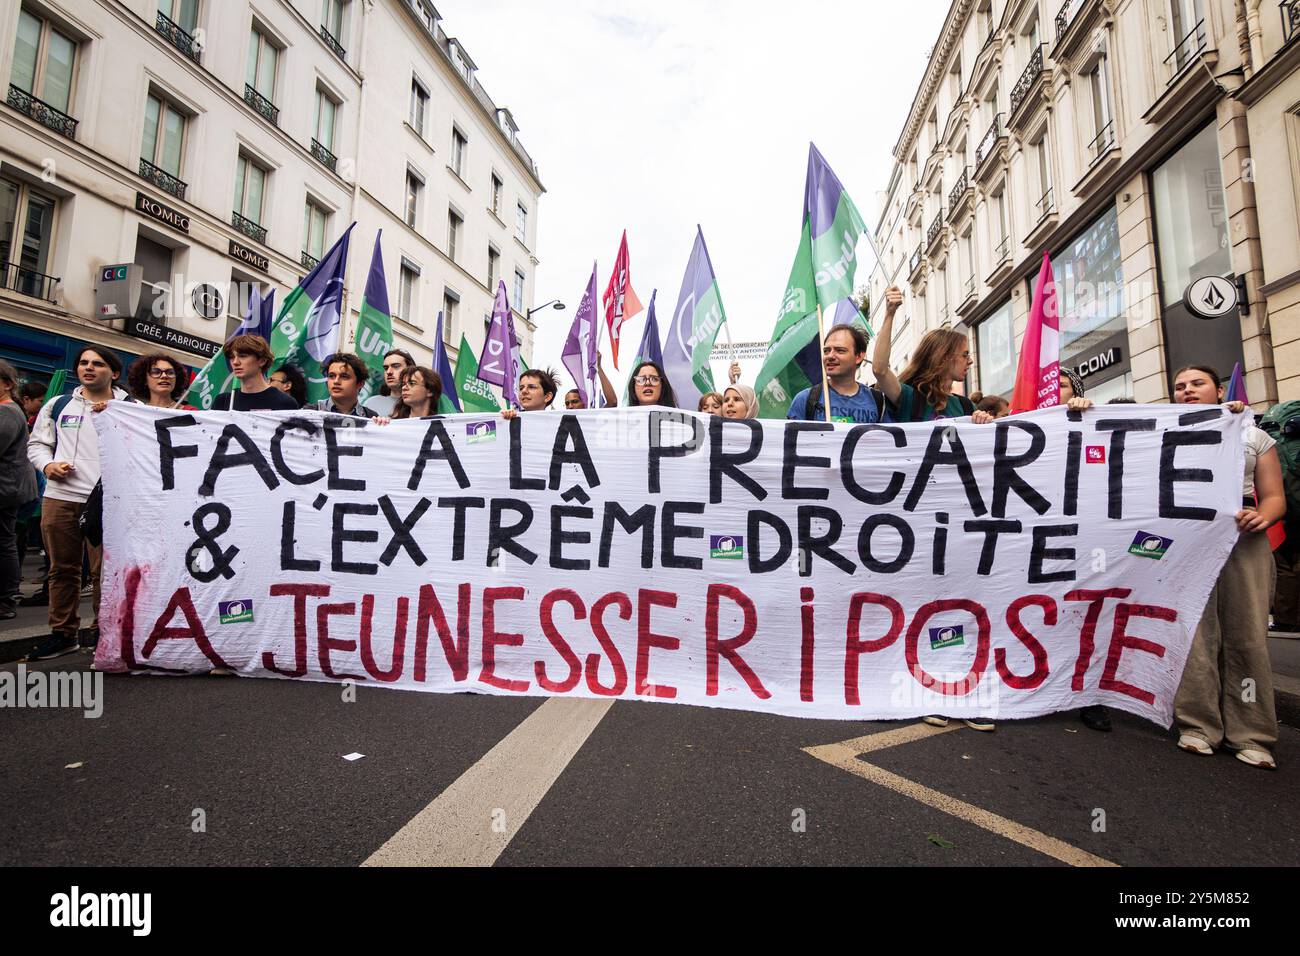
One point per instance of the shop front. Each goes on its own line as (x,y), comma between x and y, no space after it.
(1193,244)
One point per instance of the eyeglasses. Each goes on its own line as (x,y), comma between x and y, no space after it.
(162,373)
(648,380)
(530,388)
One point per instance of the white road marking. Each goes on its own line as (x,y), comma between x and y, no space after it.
(846,756)
(474,819)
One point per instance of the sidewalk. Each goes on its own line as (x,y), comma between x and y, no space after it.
(23,633)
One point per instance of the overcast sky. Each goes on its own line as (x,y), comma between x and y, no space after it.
(656,116)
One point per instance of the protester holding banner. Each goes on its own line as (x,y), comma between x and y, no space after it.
(739,401)
(994,405)
(289,379)
(1229,655)
(851,401)
(17,487)
(573,401)
(710,403)
(537,391)
(396,362)
(249,357)
(345,374)
(421,391)
(1071,385)
(650,386)
(158,380)
(65,447)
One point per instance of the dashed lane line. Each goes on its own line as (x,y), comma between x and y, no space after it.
(473,821)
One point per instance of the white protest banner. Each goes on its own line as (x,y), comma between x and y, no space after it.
(1045,562)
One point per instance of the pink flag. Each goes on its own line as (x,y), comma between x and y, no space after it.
(1038,380)
(620,300)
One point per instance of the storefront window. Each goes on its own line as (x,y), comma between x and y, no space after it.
(1090,288)
(997,352)
(1191,216)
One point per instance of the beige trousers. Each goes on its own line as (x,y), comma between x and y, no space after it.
(1226,696)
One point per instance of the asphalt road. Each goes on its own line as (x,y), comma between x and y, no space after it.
(646,784)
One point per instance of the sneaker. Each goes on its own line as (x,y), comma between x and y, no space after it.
(934,720)
(1195,745)
(88,637)
(40,598)
(1096,718)
(56,645)
(8,612)
(87,590)
(1257,758)
(982,724)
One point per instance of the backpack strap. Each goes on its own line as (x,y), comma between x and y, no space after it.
(60,404)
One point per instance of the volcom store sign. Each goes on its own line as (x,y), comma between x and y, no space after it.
(1100,363)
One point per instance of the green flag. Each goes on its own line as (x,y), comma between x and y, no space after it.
(374,335)
(307,330)
(56,384)
(822,275)
(475,394)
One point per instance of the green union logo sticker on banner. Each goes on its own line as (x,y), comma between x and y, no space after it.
(727,547)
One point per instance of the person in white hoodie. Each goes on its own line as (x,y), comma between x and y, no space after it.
(65,448)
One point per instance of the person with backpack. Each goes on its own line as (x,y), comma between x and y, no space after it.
(843,353)
(1282,424)
(924,392)
(65,449)
(17,487)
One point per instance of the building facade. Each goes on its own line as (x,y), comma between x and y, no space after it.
(1112,136)
(222,145)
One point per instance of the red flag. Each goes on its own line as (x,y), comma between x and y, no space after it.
(1038,379)
(620,300)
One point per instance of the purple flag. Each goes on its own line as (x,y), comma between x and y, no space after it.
(1237,387)
(650,350)
(450,402)
(260,317)
(499,362)
(579,355)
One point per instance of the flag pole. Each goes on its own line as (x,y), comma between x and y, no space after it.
(826,382)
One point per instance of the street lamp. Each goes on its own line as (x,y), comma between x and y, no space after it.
(555,304)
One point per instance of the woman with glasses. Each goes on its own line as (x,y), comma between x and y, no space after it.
(159,380)
(650,386)
(420,391)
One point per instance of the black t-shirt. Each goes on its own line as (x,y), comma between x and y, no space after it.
(271,400)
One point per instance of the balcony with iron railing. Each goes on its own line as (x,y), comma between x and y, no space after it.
(960,193)
(914,265)
(935,231)
(28,282)
(1186,51)
(309,261)
(261,105)
(1290,10)
(1045,205)
(177,36)
(162,179)
(1034,71)
(1063,19)
(987,145)
(42,112)
(1102,143)
(332,42)
(324,156)
(249,228)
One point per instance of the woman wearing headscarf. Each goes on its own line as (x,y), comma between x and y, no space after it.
(739,401)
